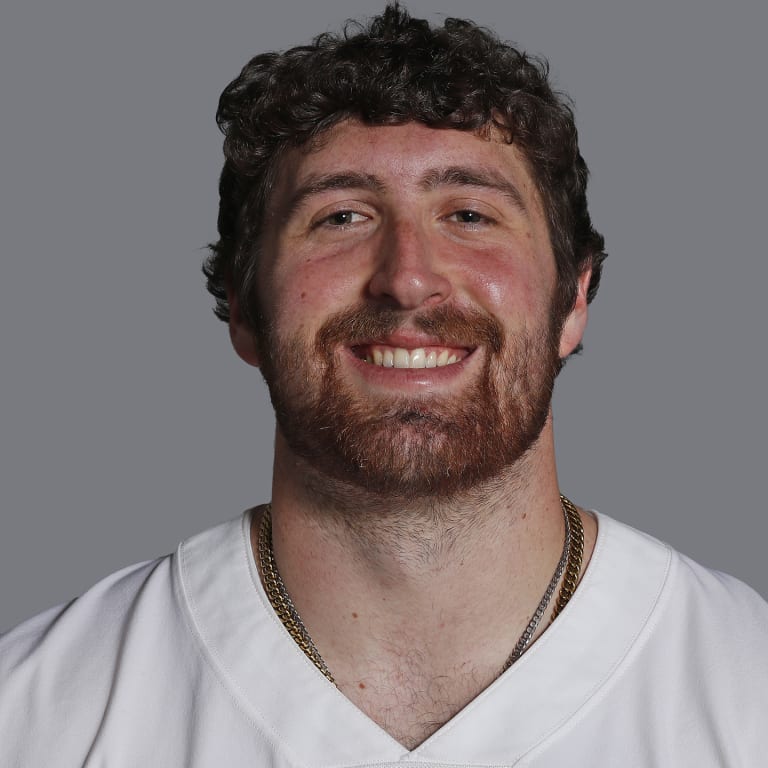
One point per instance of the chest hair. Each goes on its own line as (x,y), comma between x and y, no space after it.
(410,701)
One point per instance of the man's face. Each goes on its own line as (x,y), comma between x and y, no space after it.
(406,283)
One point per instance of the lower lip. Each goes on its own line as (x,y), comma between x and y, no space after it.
(408,379)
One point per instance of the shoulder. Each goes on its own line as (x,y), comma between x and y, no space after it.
(724,621)
(93,618)
(706,630)
(57,669)
(700,595)
(691,585)
(123,652)
(675,652)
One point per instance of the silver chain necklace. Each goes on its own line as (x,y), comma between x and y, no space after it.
(571,557)
(533,624)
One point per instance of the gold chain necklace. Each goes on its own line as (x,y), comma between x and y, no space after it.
(569,563)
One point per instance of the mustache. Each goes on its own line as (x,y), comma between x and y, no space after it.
(452,325)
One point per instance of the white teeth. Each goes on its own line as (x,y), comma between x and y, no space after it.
(402,358)
(398,357)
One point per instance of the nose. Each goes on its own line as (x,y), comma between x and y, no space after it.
(407,274)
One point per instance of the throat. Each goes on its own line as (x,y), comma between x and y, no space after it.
(412,634)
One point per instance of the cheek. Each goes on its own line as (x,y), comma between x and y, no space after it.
(303,297)
(510,286)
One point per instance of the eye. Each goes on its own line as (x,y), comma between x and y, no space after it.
(343,219)
(470,219)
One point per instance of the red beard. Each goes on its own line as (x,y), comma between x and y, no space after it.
(404,445)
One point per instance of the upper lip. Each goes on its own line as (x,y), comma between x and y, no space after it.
(408,340)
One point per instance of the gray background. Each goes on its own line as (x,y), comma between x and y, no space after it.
(127,423)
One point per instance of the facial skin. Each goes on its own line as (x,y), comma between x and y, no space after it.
(408,246)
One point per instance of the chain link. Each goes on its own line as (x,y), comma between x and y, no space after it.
(570,563)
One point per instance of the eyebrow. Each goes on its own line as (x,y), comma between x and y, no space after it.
(316,184)
(454,175)
(464,176)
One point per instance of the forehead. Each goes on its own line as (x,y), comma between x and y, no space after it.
(403,155)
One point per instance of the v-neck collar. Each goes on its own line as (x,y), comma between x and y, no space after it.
(315,724)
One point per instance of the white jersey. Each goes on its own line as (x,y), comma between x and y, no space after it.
(655,661)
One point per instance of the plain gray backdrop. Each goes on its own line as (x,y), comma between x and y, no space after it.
(126,421)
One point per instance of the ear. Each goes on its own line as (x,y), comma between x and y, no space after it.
(242,337)
(576,322)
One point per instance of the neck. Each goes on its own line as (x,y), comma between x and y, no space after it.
(490,552)
(397,593)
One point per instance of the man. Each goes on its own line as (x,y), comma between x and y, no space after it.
(406,254)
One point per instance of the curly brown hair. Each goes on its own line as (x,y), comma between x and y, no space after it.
(395,70)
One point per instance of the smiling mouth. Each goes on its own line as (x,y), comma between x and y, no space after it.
(400,357)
